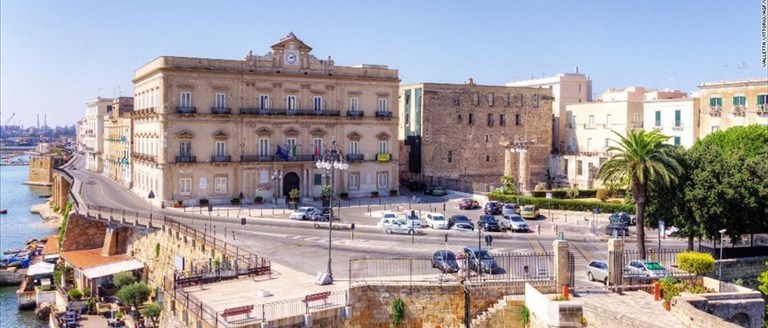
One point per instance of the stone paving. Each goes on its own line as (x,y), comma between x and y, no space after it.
(632,309)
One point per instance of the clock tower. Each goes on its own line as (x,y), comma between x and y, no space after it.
(291,53)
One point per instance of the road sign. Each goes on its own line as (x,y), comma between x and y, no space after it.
(549,195)
(488,239)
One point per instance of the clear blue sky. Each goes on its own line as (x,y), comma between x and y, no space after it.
(55,55)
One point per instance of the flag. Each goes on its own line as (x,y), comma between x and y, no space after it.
(279,151)
(317,151)
(293,150)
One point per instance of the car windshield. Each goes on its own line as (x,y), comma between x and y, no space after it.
(509,206)
(460,218)
(300,210)
(484,255)
(449,256)
(516,219)
(389,215)
(527,208)
(653,266)
(438,218)
(489,219)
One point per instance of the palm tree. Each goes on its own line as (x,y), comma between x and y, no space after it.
(640,157)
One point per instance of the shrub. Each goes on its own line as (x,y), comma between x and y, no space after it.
(123,279)
(86,292)
(564,204)
(157,250)
(152,311)
(234,201)
(559,298)
(203,202)
(258,199)
(696,262)
(602,194)
(134,294)
(563,193)
(75,294)
(525,315)
(397,311)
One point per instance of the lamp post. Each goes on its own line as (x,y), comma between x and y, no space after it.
(331,160)
(240,196)
(276,178)
(720,264)
(150,196)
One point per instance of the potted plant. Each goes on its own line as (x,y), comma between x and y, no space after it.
(393,192)
(178,204)
(203,201)
(326,196)
(258,200)
(374,194)
(234,201)
(294,196)
(344,195)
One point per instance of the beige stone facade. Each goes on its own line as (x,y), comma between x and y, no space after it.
(733,103)
(117,141)
(93,140)
(212,128)
(451,133)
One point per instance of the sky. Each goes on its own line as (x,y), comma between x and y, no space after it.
(56,55)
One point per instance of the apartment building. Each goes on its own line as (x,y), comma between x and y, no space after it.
(567,88)
(117,141)
(213,128)
(676,118)
(93,141)
(732,103)
(452,134)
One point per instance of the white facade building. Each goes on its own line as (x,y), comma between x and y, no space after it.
(93,137)
(677,118)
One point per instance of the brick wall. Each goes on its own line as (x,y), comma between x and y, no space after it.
(83,233)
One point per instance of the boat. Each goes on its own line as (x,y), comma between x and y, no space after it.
(4,211)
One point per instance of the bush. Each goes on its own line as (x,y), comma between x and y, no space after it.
(397,311)
(203,202)
(152,311)
(258,199)
(123,279)
(134,294)
(696,262)
(602,194)
(75,294)
(563,193)
(234,201)
(525,315)
(564,204)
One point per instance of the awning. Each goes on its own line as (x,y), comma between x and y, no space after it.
(112,268)
(40,268)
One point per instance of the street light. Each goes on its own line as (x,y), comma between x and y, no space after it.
(276,178)
(720,264)
(151,196)
(331,160)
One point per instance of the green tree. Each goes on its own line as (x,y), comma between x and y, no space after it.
(123,279)
(641,157)
(729,182)
(508,184)
(134,294)
(152,311)
(75,294)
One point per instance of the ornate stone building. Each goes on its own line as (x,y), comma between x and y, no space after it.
(213,128)
(732,103)
(117,141)
(452,134)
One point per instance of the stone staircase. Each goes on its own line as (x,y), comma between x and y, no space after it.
(484,319)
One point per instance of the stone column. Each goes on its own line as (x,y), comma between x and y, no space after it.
(522,173)
(615,261)
(562,272)
(509,159)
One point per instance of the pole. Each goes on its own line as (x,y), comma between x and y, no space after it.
(720,260)
(330,230)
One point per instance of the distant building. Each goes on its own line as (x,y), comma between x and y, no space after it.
(213,128)
(567,88)
(733,103)
(676,118)
(93,141)
(451,134)
(117,141)
(41,163)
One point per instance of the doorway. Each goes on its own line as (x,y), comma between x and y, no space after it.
(290,182)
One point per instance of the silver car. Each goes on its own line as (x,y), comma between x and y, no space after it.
(400,227)
(598,270)
(645,269)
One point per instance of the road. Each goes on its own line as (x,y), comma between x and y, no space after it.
(303,247)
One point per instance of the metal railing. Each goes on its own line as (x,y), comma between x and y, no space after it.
(382,114)
(355,157)
(221,110)
(277,158)
(289,112)
(355,113)
(186,110)
(186,159)
(221,159)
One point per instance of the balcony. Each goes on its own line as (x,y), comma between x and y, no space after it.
(678,126)
(186,159)
(221,110)
(144,157)
(384,115)
(762,109)
(637,125)
(276,158)
(183,110)
(286,112)
(383,157)
(355,113)
(715,110)
(355,157)
(739,110)
(221,159)
(657,127)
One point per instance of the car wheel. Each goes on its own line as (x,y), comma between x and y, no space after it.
(605,281)
(389,231)
(590,276)
(411,232)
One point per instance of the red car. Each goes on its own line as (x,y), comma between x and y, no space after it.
(468,204)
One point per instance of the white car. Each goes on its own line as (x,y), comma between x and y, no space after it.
(303,213)
(463,227)
(513,222)
(399,227)
(387,222)
(388,215)
(412,220)
(436,221)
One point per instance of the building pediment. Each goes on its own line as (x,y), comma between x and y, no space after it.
(220,135)
(185,134)
(382,136)
(262,131)
(317,132)
(290,41)
(354,136)
(291,132)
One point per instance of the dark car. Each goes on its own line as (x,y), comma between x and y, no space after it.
(479,259)
(493,208)
(445,261)
(459,219)
(323,215)
(488,223)
(621,229)
(622,218)
(468,204)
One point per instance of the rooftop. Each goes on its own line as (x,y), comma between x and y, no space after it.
(51,246)
(91,258)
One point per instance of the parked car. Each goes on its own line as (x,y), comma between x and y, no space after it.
(458,218)
(480,260)
(493,208)
(510,209)
(488,223)
(513,222)
(623,218)
(445,261)
(529,212)
(428,190)
(388,215)
(303,213)
(598,270)
(412,219)
(468,204)
(439,191)
(399,227)
(436,221)
(621,229)
(323,215)
(386,223)
(645,269)
(463,227)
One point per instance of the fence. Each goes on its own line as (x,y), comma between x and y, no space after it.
(627,277)
(420,270)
